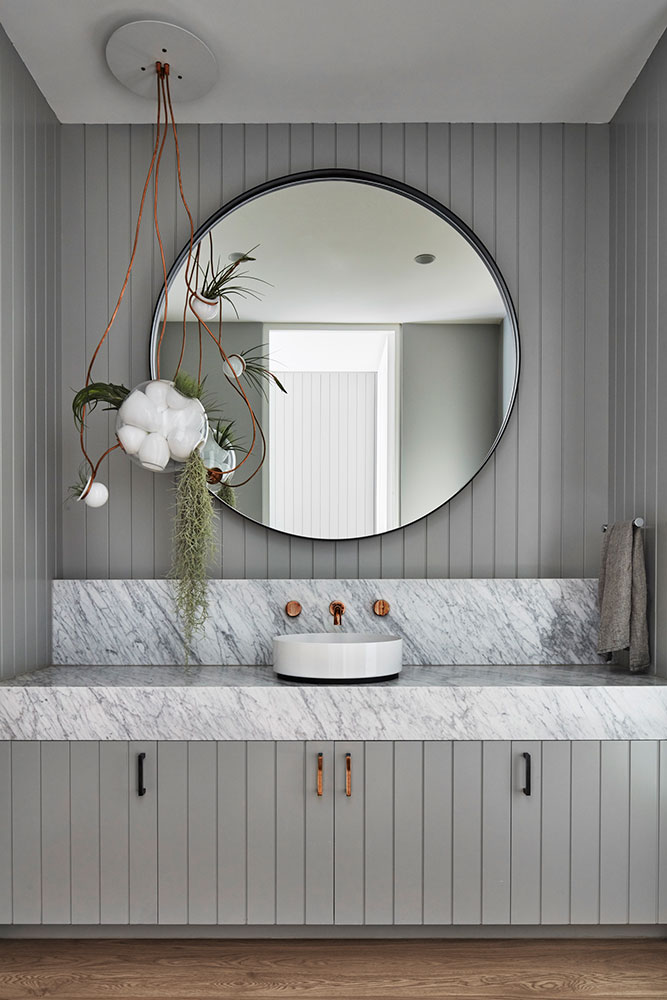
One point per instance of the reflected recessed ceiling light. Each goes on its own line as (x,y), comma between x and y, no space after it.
(424,258)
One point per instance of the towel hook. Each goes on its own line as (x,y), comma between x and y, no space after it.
(637,521)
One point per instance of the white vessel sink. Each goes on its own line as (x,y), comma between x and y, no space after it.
(329,658)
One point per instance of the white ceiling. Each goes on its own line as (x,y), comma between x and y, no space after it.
(343,252)
(355,60)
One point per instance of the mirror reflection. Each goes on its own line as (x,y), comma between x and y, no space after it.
(394,340)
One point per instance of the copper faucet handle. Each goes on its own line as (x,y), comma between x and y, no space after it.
(292,609)
(381,608)
(337,609)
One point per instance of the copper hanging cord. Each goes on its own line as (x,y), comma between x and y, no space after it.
(237,388)
(188,277)
(163,73)
(169,110)
(241,392)
(94,467)
(188,262)
(183,335)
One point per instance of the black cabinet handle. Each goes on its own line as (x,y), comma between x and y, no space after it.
(141,788)
(527,788)
(320,774)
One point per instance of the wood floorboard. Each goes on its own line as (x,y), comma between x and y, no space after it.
(334,970)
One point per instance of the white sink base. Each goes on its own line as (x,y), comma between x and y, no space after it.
(346,658)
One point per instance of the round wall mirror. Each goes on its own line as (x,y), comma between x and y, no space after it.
(388,326)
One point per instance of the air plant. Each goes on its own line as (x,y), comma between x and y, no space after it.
(75,492)
(94,393)
(256,370)
(218,282)
(93,493)
(224,436)
(189,386)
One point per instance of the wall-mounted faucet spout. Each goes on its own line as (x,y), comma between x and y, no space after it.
(337,609)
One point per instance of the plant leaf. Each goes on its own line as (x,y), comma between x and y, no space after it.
(97,392)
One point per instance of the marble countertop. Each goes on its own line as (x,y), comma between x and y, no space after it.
(249,703)
(175,675)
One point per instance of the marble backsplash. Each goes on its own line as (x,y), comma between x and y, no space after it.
(455,622)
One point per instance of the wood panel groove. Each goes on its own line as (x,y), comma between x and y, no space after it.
(507,524)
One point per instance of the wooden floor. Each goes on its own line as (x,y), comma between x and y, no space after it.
(324,970)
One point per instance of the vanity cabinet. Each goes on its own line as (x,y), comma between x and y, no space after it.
(296,833)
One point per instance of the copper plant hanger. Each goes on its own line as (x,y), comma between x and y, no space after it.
(166,122)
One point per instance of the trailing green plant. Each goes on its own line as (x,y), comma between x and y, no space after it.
(219,282)
(227,494)
(97,392)
(257,370)
(192,548)
(188,385)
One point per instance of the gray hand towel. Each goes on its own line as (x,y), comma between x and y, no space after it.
(622,595)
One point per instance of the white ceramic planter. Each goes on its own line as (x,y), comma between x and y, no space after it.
(204,309)
(95,495)
(234,366)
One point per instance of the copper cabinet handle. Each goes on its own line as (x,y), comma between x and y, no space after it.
(348,774)
(320,773)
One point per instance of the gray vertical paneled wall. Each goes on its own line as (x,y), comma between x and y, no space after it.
(638,365)
(537,195)
(30,492)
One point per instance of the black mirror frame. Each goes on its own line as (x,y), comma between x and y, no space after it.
(397,187)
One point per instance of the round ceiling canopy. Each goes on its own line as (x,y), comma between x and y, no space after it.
(134,48)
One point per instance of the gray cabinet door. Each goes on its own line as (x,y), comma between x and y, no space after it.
(290,828)
(602,855)
(290,793)
(77,845)
(379,797)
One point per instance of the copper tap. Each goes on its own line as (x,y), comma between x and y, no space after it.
(337,609)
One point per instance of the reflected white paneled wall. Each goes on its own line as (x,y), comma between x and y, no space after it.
(638,373)
(30,491)
(322,437)
(537,195)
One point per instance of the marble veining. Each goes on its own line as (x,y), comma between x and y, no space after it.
(432,703)
(457,622)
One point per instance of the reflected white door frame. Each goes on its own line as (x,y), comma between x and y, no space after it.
(356,368)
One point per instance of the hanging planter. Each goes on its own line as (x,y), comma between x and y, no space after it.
(162,425)
(93,494)
(220,284)
(219,462)
(204,309)
(234,366)
(159,427)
